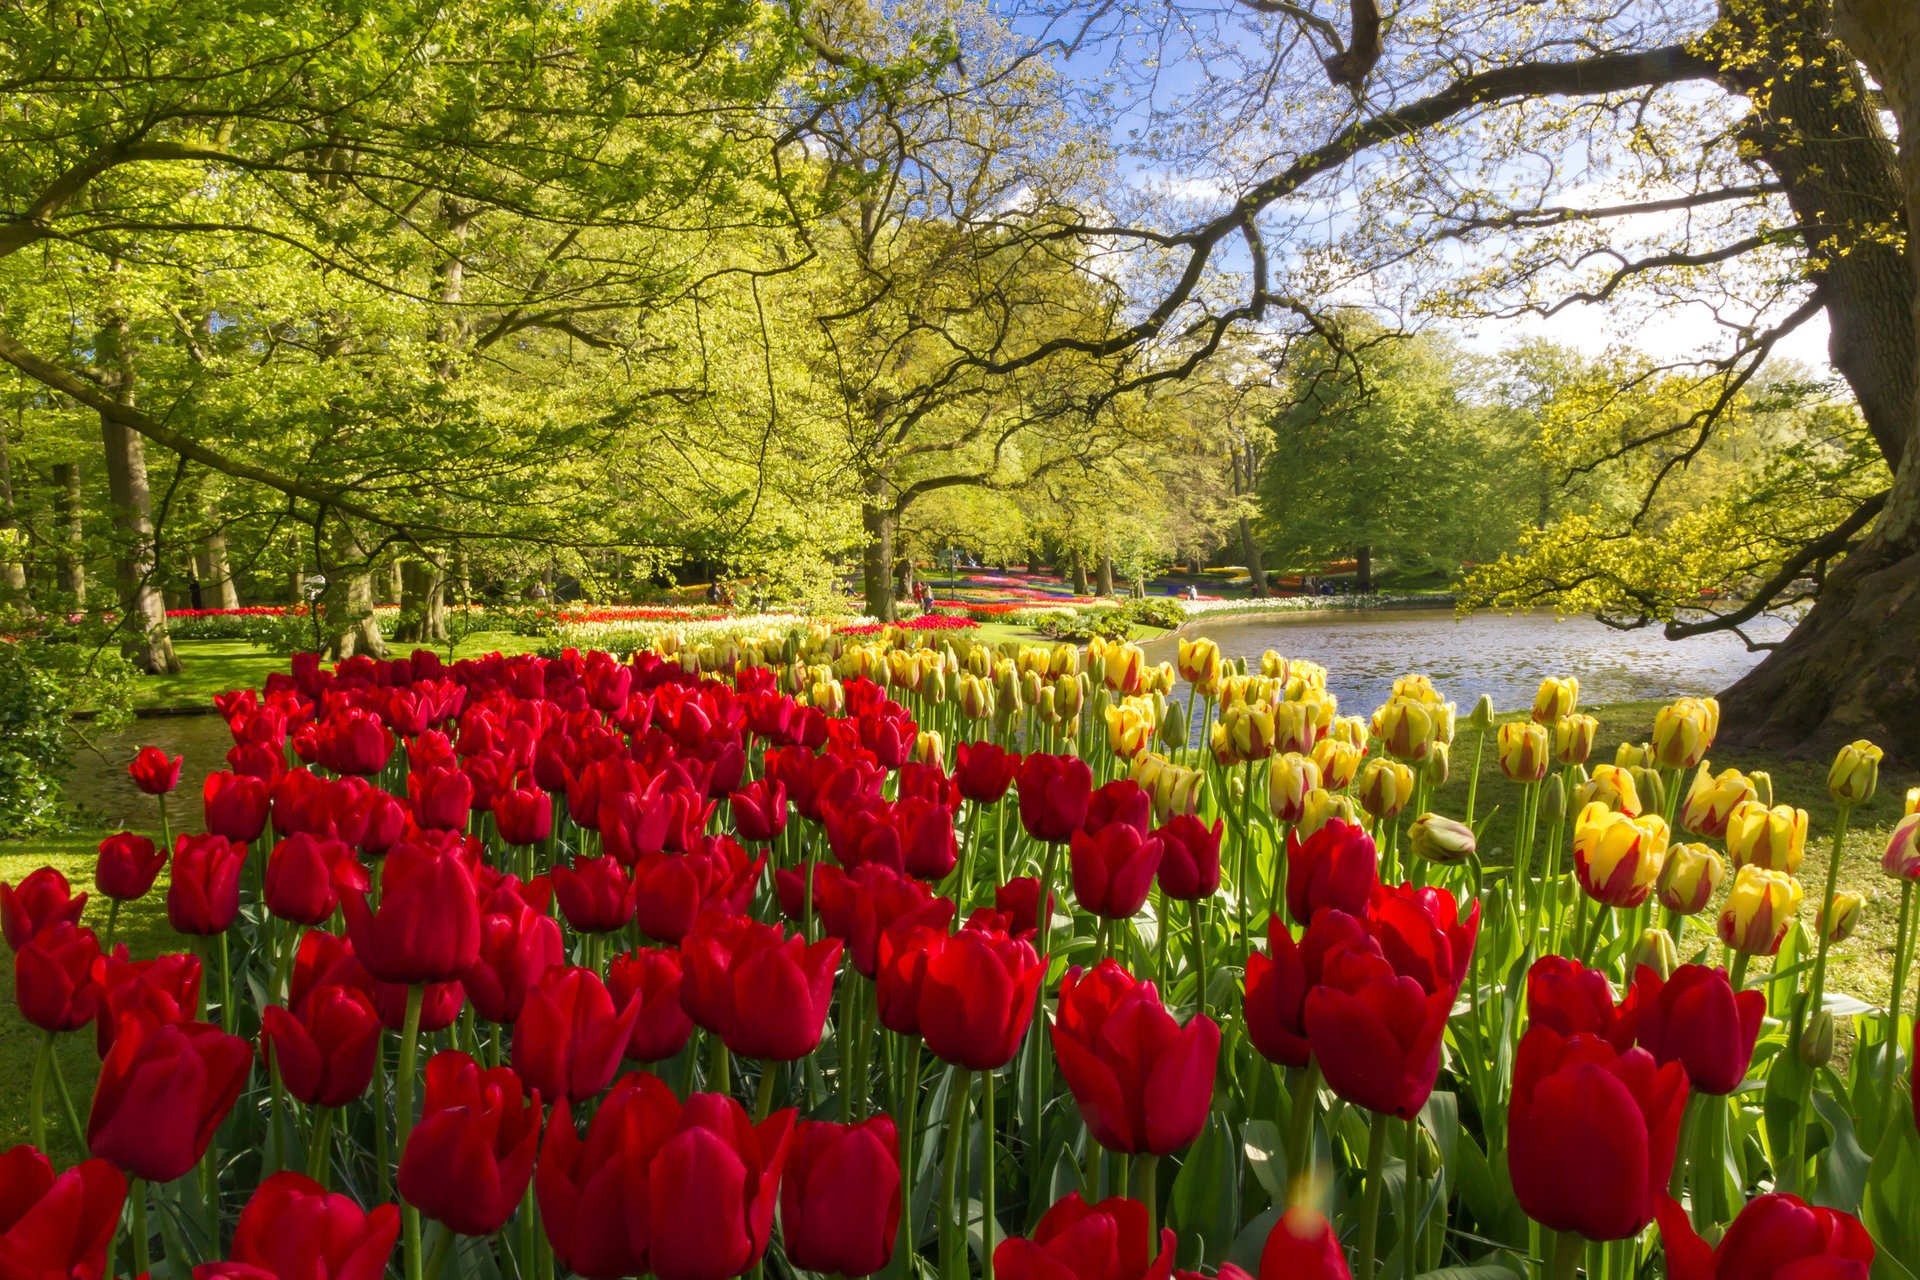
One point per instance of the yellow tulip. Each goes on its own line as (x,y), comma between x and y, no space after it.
(1773,838)
(1045,708)
(1439,763)
(1126,669)
(1290,777)
(1855,773)
(1384,787)
(1274,666)
(1683,732)
(1323,807)
(1006,690)
(1913,801)
(1634,755)
(1352,730)
(1199,662)
(1417,688)
(1557,699)
(1244,732)
(1610,786)
(1690,878)
(829,696)
(1712,799)
(1524,750)
(1160,678)
(1338,762)
(1618,858)
(1759,910)
(1845,919)
(1439,839)
(929,747)
(1297,725)
(1065,661)
(980,661)
(1069,695)
(1573,738)
(976,698)
(1174,789)
(1036,659)
(1130,726)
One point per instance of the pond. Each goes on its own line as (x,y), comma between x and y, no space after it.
(1504,655)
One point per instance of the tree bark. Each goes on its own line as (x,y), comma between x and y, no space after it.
(71,520)
(1246,477)
(423,604)
(1103,576)
(1363,569)
(1851,668)
(1078,565)
(143,611)
(348,603)
(226,595)
(876,564)
(13,564)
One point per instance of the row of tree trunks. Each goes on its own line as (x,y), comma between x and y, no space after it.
(70,563)
(143,611)
(423,603)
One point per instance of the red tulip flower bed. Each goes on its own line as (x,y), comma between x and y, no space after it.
(525,967)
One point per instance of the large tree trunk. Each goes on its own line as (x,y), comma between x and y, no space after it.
(1363,569)
(1103,576)
(1852,666)
(220,585)
(876,562)
(13,564)
(143,611)
(423,603)
(1246,477)
(1078,565)
(348,602)
(71,521)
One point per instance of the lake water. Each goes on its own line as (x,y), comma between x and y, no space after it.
(1505,656)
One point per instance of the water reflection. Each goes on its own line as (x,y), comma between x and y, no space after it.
(1505,656)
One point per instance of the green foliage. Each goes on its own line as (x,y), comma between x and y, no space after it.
(44,677)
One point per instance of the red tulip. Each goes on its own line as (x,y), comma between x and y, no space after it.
(1278,981)
(593,1193)
(165,989)
(840,1197)
(1335,868)
(1569,997)
(296,1230)
(427,927)
(154,771)
(1694,1018)
(128,866)
(43,898)
(1111,1240)
(1775,1237)
(1189,858)
(763,993)
(517,946)
(236,806)
(300,877)
(324,1047)
(1054,794)
(928,847)
(568,1041)
(355,743)
(57,1226)
(672,890)
(901,974)
(1120,801)
(651,980)
(1142,1081)
(470,1158)
(595,895)
(441,798)
(203,895)
(1301,1246)
(1591,1133)
(759,810)
(1019,901)
(864,833)
(983,771)
(1113,869)
(524,817)
(382,820)
(53,977)
(977,997)
(928,781)
(711,1190)
(163,1091)
(869,901)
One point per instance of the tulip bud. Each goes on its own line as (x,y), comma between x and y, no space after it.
(1855,773)
(1657,950)
(1816,1043)
(1651,785)
(1272,664)
(1439,764)
(1617,859)
(1557,699)
(929,747)
(1406,728)
(1773,838)
(1045,708)
(1902,858)
(1845,919)
(1323,807)
(1199,662)
(1440,839)
(1913,801)
(1712,799)
(1683,732)
(829,696)
(1339,762)
(1482,715)
(1236,790)
(1633,755)
(976,697)
(1069,695)
(1384,787)
(1524,750)
(1573,738)
(1759,909)
(1689,878)
(1290,778)
(1553,800)
(1611,786)
(1063,661)
(1173,725)
(1006,690)
(979,662)
(1351,730)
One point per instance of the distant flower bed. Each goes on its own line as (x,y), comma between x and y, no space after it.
(923,622)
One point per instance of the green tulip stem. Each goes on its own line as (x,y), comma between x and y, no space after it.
(66,1096)
(227,1011)
(37,1105)
(137,1226)
(1410,1188)
(166,834)
(1243,887)
(989,1143)
(1043,944)
(1370,1197)
(1306,1093)
(1737,975)
(763,1094)
(319,1146)
(953,1259)
(719,1068)
(1816,996)
(442,1246)
(906,1121)
(403,1115)
(1903,939)
(1567,1248)
(1197,914)
(1146,1189)
(113,920)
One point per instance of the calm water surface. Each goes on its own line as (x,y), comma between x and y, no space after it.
(1505,656)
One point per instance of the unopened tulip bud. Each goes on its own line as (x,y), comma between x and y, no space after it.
(1759,909)
(1651,785)
(1633,755)
(1439,764)
(1573,738)
(1070,695)
(1656,949)
(1902,858)
(1557,699)
(1772,838)
(1043,706)
(828,695)
(1689,878)
(1384,787)
(1173,725)
(1613,787)
(1482,715)
(929,748)
(979,661)
(1064,661)
(1291,777)
(1855,773)
(1441,839)
(1236,789)
(976,698)
(1525,751)
(1845,919)
(1553,800)
(1712,799)
(1816,1043)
